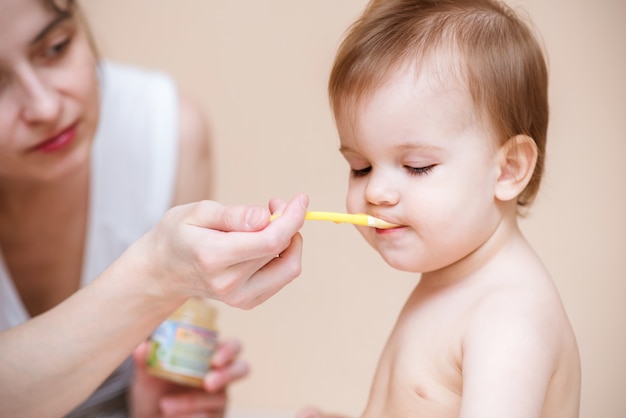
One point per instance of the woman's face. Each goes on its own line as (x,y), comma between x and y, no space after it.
(49,99)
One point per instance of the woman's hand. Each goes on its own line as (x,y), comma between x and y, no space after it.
(315,413)
(229,253)
(152,397)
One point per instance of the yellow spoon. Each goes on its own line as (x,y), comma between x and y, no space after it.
(351,218)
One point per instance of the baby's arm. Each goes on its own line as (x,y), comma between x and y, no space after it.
(509,356)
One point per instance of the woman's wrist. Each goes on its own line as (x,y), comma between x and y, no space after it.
(145,273)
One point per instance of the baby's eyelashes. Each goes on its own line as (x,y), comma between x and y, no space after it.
(419,171)
(360,172)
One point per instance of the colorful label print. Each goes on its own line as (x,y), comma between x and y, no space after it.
(182,348)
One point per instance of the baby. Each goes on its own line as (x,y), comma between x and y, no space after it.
(442,112)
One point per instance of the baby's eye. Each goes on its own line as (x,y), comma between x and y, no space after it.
(361,172)
(419,171)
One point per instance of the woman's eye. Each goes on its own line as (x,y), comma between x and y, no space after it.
(56,49)
(361,172)
(419,171)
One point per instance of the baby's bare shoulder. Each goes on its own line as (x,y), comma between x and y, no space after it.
(519,338)
(517,316)
(525,299)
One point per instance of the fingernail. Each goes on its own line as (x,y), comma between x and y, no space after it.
(212,380)
(240,369)
(304,200)
(254,218)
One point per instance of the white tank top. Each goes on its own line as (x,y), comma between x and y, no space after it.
(134,159)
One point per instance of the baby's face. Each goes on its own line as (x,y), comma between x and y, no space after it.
(421,157)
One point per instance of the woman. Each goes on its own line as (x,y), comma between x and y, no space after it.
(91,158)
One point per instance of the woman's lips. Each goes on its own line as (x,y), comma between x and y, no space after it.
(57,142)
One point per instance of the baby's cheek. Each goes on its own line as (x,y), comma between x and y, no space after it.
(352,199)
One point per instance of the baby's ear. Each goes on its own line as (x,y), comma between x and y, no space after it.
(517,159)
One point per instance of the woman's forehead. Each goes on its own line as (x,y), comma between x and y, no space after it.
(24,22)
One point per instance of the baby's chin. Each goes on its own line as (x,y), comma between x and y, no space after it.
(401,263)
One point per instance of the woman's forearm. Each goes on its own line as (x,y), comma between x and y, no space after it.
(53,362)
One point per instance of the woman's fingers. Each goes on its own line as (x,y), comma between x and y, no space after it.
(233,254)
(225,366)
(196,403)
(253,283)
(218,379)
(211,215)
(234,246)
(227,351)
(277,273)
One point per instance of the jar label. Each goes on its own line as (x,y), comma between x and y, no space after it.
(182,348)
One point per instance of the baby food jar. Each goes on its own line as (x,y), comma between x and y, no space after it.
(181,348)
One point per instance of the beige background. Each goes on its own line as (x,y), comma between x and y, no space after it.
(259,67)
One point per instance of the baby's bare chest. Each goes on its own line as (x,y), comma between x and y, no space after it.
(420,367)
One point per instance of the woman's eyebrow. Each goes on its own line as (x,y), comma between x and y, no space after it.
(50,27)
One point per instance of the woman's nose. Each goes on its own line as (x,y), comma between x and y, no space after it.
(381,190)
(41,102)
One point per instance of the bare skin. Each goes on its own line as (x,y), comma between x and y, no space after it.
(43,226)
(453,340)
(484,333)
(49,111)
